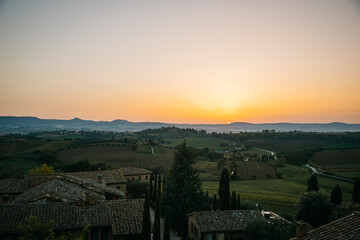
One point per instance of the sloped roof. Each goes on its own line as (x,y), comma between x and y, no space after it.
(57,189)
(13,185)
(68,189)
(226,220)
(108,176)
(123,216)
(344,228)
(129,171)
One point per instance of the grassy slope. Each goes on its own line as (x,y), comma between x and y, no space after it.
(344,163)
(281,195)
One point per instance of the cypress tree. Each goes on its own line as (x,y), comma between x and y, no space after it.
(336,196)
(157,221)
(155,189)
(159,186)
(183,189)
(151,187)
(313,184)
(224,190)
(233,201)
(356,191)
(146,218)
(167,225)
(215,203)
(164,181)
(238,202)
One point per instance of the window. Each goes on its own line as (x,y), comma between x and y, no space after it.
(118,187)
(146,177)
(104,234)
(192,228)
(94,234)
(139,177)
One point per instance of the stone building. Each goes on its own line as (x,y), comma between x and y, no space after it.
(121,219)
(10,189)
(222,225)
(136,174)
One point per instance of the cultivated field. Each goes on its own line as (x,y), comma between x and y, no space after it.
(117,156)
(344,163)
(285,145)
(245,170)
(197,142)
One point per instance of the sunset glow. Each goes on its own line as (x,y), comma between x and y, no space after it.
(181,62)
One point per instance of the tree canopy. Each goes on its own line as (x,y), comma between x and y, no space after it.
(224,190)
(313,184)
(315,208)
(336,196)
(183,192)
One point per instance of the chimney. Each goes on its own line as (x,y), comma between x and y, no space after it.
(301,231)
(100,178)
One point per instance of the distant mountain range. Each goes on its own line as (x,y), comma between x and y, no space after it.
(33,124)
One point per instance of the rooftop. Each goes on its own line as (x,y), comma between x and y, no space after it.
(128,171)
(123,216)
(344,228)
(226,220)
(67,189)
(13,185)
(108,176)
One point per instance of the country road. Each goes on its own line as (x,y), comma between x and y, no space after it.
(314,170)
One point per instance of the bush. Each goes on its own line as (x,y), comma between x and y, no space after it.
(137,189)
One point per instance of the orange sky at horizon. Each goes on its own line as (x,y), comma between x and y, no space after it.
(181,62)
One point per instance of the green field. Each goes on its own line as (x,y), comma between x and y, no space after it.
(245,170)
(117,156)
(197,142)
(285,145)
(279,195)
(345,163)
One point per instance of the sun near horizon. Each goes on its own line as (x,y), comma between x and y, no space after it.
(181,62)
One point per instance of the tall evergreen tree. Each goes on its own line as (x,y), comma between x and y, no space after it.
(336,196)
(155,189)
(157,233)
(215,203)
(183,189)
(313,184)
(356,191)
(224,190)
(238,202)
(233,201)
(146,218)
(159,186)
(167,225)
(164,183)
(151,187)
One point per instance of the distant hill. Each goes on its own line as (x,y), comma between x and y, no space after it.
(33,124)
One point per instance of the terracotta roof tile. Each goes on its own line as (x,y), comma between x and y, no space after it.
(226,220)
(128,171)
(344,228)
(68,189)
(13,185)
(108,176)
(123,216)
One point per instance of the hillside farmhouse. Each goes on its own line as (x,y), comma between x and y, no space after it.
(136,174)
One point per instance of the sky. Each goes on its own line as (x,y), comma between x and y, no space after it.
(181,61)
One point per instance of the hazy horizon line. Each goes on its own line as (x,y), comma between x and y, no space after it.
(181,123)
